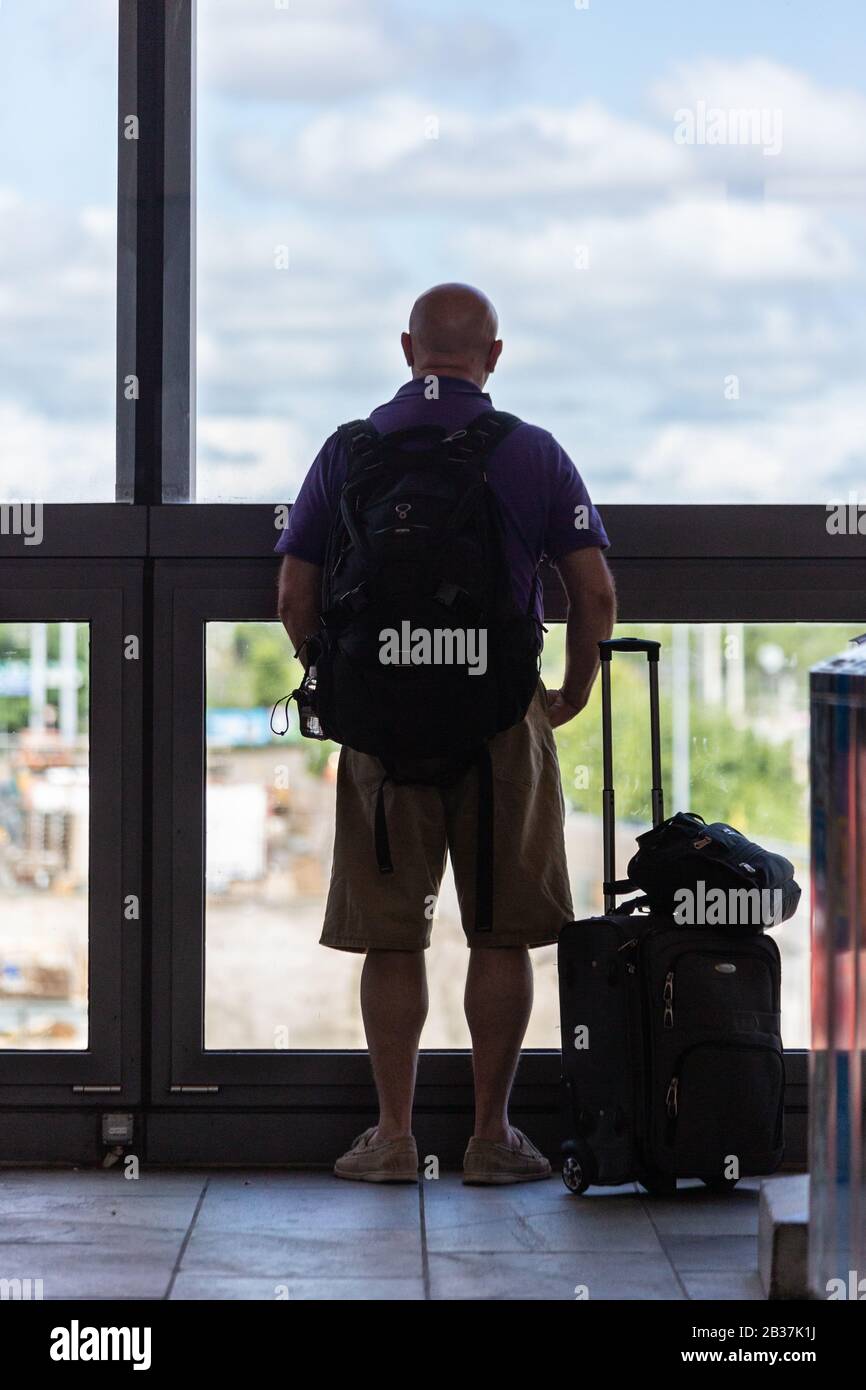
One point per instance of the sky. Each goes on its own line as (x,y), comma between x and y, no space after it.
(687,318)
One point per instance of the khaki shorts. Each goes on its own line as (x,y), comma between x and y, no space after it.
(369,910)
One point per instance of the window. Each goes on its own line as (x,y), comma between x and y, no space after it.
(58,249)
(735,733)
(44,835)
(662,200)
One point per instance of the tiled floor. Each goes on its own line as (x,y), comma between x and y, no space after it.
(307,1235)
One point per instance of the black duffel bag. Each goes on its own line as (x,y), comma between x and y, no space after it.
(706,875)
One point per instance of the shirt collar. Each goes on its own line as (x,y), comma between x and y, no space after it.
(448,386)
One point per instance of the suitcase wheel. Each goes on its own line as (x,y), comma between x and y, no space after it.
(578,1168)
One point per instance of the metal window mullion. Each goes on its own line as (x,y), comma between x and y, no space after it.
(178,319)
(154,319)
(127,242)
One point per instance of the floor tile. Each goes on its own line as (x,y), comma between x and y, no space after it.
(210,1287)
(596,1228)
(87,1216)
(534,1216)
(295,1201)
(555,1277)
(99,1271)
(695,1211)
(79,1182)
(690,1253)
(731,1285)
(447,1201)
(581,1224)
(310,1253)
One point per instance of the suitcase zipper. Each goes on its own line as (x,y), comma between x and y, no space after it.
(672,1098)
(669,1000)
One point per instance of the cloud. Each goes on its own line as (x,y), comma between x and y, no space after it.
(690,240)
(331,50)
(625,360)
(57,311)
(389,153)
(815,447)
(243,458)
(385,151)
(268,336)
(821,127)
(55,458)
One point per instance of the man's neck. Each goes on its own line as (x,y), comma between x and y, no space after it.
(443,369)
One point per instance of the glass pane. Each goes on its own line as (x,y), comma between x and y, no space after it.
(270,816)
(44,823)
(664,201)
(735,730)
(58,249)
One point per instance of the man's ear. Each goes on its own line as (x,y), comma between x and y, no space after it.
(494,355)
(406,344)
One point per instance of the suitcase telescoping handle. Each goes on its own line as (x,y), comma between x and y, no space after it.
(606,649)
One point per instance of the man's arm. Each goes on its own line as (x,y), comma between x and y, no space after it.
(591,596)
(299,599)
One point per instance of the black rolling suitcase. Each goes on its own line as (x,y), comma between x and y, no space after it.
(671,1049)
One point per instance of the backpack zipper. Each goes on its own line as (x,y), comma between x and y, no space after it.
(400,530)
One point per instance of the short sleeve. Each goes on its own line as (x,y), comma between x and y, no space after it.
(572,521)
(309,524)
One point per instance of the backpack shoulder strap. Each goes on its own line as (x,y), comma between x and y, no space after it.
(481,436)
(361,441)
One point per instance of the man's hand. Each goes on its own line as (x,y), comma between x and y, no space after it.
(558,709)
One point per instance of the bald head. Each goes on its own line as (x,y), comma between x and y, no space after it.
(452,329)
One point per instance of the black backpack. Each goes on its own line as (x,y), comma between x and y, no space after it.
(758,887)
(422,653)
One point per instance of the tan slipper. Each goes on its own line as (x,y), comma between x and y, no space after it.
(495,1164)
(387,1160)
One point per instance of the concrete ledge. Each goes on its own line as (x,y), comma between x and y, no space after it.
(783,1236)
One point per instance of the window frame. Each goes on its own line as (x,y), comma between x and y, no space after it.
(156,559)
(106,597)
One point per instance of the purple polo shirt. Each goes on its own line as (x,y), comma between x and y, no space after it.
(546,509)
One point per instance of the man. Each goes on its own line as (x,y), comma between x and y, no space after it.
(451,348)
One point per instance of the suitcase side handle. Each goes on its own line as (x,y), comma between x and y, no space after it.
(611,886)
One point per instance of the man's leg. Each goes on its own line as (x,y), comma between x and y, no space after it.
(498,1002)
(394,1007)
